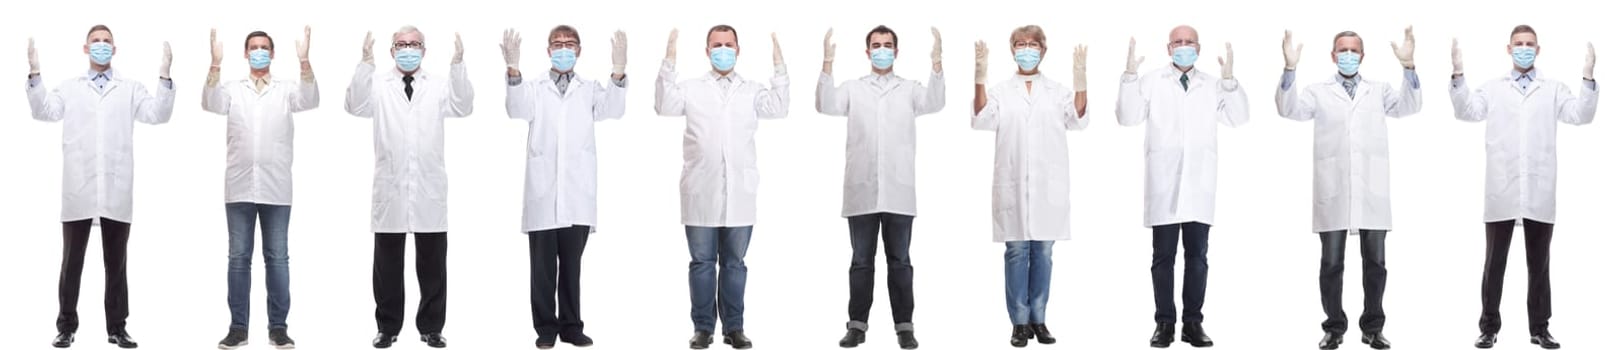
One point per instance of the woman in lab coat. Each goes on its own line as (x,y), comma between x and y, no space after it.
(1031,196)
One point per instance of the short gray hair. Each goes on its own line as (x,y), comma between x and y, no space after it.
(1347,34)
(408,29)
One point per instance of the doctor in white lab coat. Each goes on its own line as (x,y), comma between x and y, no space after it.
(1521,109)
(560,173)
(1031,181)
(1350,176)
(408,108)
(719,179)
(880,144)
(1183,107)
(98,110)
(259,174)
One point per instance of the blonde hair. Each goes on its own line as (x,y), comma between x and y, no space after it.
(1032,31)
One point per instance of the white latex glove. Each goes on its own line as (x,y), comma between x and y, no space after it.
(1133,59)
(1293,53)
(1405,53)
(33,58)
(1079,68)
(168,58)
(935,52)
(1459,58)
(510,46)
(777,53)
(980,62)
(1589,63)
(1227,61)
(303,46)
(216,49)
(366,49)
(828,46)
(670,47)
(456,57)
(618,56)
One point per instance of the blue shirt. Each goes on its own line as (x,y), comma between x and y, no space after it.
(101,78)
(1532,74)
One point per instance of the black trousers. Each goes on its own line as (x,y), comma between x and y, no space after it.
(555,272)
(897,232)
(1194,270)
(1372,245)
(115,240)
(1538,274)
(389,282)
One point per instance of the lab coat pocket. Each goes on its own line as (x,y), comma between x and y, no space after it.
(1327,185)
(1378,178)
(1005,209)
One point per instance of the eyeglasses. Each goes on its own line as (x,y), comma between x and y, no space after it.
(408,44)
(572,45)
(1028,44)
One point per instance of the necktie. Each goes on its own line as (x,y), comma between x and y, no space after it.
(408,80)
(563,82)
(1349,84)
(1185,81)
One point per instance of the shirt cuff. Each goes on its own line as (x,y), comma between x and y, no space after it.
(1458,81)
(33,80)
(514,81)
(1590,84)
(167,83)
(1286,80)
(620,83)
(1413,79)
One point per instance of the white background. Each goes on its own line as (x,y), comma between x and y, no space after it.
(1263,291)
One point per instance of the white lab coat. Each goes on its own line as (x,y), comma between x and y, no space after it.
(409,183)
(1180,143)
(259,136)
(98,132)
(1351,180)
(880,140)
(1521,164)
(560,172)
(719,179)
(1031,167)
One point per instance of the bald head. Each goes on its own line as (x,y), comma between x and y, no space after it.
(1183,36)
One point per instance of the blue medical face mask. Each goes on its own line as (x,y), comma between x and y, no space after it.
(1524,56)
(259,59)
(408,59)
(563,60)
(101,53)
(1027,58)
(882,57)
(1184,56)
(1348,63)
(723,58)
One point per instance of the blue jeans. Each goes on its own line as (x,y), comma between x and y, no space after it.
(273,219)
(1027,268)
(704,245)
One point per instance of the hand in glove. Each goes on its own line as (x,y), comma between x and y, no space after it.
(1133,59)
(33,58)
(217,49)
(935,51)
(303,46)
(1079,68)
(168,58)
(618,56)
(1459,58)
(777,53)
(1293,53)
(1589,63)
(1227,61)
(1405,53)
(366,49)
(980,62)
(670,48)
(456,57)
(828,52)
(510,46)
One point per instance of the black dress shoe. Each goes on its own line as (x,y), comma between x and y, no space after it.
(1545,340)
(1331,341)
(853,337)
(906,340)
(1376,341)
(1162,337)
(737,340)
(576,339)
(1043,336)
(1020,335)
(1486,340)
(700,340)
(384,341)
(123,340)
(434,340)
(1195,335)
(64,339)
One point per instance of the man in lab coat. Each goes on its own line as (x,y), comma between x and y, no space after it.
(1350,175)
(560,182)
(1183,107)
(408,108)
(879,154)
(719,179)
(1521,109)
(98,110)
(259,174)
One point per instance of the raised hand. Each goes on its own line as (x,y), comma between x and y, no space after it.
(980,62)
(1133,59)
(1589,63)
(1459,58)
(303,46)
(670,47)
(510,47)
(456,57)
(168,59)
(366,49)
(618,56)
(217,49)
(33,58)
(777,53)
(1405,53)
(1293,53)
(1227,61)
(935,51)
(1079,68)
